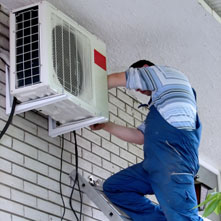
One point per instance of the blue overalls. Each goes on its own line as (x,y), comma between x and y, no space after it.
(168,170)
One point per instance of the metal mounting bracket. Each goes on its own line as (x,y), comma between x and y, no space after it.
(53,129)
(29,105)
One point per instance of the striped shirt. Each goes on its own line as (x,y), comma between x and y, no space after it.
(172,94)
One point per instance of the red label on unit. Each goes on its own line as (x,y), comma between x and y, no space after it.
(100,59)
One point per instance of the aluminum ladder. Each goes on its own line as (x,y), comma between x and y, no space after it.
(94,190)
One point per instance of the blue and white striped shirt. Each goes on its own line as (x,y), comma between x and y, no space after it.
(172,94)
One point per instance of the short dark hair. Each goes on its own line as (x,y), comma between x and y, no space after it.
(141,63)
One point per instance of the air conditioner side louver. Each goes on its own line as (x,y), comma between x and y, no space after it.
(66,59)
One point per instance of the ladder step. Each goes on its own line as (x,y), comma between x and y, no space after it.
(96,194)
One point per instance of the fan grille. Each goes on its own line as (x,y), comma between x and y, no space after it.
(27,47)
(71,57)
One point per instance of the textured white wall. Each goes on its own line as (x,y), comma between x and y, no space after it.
(171,32)
(175,33)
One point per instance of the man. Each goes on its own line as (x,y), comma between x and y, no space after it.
(171,136)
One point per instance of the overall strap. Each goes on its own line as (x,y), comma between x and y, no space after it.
(146,105)
(194,92)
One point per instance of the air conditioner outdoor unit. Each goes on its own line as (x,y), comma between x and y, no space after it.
(50,55)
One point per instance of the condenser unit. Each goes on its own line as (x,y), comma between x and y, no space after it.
(52,55)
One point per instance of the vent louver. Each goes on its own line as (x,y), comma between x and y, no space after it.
(27,47)
(66,59)
(215,5)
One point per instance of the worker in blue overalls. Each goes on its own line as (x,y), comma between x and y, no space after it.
(170,134)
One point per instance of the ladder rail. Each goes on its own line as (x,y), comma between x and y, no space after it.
(100,200)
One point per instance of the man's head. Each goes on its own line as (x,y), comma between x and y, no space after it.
(141,64)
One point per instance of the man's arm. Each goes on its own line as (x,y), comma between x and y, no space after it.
(116,80)
(131,135)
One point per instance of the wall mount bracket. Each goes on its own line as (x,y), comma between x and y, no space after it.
(53,129)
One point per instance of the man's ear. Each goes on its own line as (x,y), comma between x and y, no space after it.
(146,65)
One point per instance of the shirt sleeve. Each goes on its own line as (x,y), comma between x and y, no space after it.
(140,78)
(142,128)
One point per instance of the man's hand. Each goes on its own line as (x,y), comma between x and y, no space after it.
(97,126)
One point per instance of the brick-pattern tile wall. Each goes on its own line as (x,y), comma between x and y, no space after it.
(30,159)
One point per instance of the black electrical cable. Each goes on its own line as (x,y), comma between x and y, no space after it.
(76,180)
(9,119)
(62,198)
